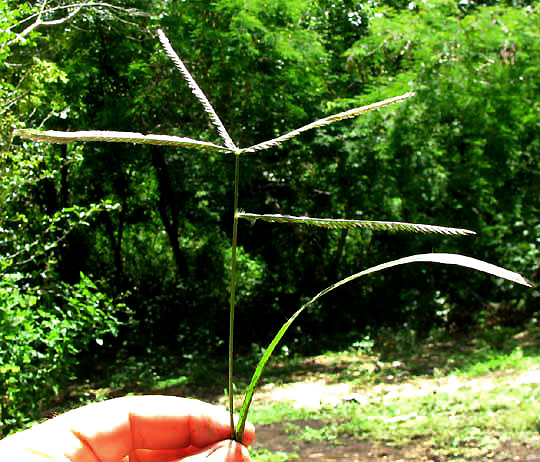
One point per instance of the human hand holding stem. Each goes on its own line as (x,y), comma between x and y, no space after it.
(132,428)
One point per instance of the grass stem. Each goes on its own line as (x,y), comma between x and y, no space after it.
(233,293)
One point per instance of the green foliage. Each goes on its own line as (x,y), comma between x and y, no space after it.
(50,312)
(42,332)
(472,128)
(250,273)
(464,160)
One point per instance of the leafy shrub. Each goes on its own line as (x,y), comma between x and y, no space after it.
(42,331)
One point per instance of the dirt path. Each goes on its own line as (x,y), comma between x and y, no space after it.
(319,390)
(313,394)
(329,380)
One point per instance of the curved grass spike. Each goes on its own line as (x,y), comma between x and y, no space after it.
(445,258)
(349,224)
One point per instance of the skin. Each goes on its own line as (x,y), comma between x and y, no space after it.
(132,429)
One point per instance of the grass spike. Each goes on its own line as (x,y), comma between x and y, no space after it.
(351,113)
(349,224)
(53,136)
(197,91)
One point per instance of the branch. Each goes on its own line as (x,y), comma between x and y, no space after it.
(40,22)
(77,6)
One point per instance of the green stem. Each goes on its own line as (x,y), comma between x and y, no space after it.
(232,293)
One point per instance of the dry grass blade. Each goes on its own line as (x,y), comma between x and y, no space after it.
(52,136)
(196,91)
(327,121)
(367,224)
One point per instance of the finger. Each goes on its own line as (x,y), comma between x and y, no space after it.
(249,433)
(193,452)
(171,423)
(224,451)
(166,455)
(230,452)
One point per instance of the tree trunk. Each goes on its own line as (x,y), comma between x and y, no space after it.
(168,209)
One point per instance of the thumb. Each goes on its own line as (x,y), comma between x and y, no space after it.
(224,451)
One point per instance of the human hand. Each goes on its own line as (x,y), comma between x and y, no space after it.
(132,429)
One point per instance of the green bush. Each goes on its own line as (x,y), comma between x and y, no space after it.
(42,331)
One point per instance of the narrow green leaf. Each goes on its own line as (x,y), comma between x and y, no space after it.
(445,258)
(351,113)
(53,136)
(368,224)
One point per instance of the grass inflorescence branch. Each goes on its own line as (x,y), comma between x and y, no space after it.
(350,224)
(197,91)
(351,113)
(53,136)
